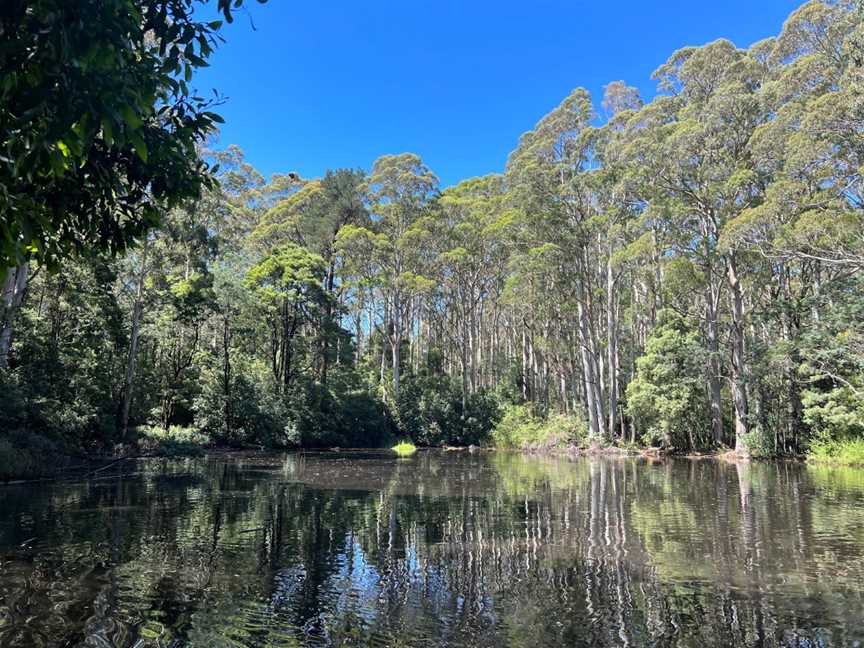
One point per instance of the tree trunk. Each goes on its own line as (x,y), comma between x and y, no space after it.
(129,379)
(712,297)
(789,321)
(612,346)
(465,365)
(526,366)
(396,344)
(329,284)
(594,423)
(739,369)
(226,376)
(10,300)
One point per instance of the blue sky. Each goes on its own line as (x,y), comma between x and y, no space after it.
(320,85)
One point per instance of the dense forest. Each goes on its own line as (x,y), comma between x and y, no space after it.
(682,272)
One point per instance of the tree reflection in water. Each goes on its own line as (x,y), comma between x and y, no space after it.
(490,549)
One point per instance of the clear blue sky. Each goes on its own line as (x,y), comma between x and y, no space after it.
(322,85)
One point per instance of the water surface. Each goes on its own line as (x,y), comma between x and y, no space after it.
(440,549)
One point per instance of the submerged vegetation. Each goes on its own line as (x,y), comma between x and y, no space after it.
(683,272)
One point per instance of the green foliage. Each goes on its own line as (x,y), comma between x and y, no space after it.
(176,441)
(288,273)
(430,411)
(98,126)
(700,254)
(834,414)
(18,463)
(848,452)
(25,455)
(349,418)
(832,365)
(404,448)
(667,395)
(519,428)
(236,414)
(760,443)
(63,377)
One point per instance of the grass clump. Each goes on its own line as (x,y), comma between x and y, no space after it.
(847,452)
(521,429)
(404,448)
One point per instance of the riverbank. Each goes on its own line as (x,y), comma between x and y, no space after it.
(25,457)
(34,457)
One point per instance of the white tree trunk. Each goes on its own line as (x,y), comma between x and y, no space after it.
(612,346)
(10,300)
(739,369)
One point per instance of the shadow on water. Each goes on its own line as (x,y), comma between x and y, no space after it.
(440,549)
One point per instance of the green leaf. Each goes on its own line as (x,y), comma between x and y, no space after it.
(107,131)
(139,145)
(131,118)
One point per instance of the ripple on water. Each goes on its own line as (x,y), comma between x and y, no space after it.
(443,549)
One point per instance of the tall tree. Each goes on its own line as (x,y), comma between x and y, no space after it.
(399,189)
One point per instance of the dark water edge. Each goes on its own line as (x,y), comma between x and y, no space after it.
(32,465)
(440,549)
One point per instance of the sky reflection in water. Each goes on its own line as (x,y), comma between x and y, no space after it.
(440,549)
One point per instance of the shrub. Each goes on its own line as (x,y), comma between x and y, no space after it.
(430,411)
(16,463)
(252,416)
(26,456)
(760,443)
(667,393)
(519,428)
(836,418)
(176,441)
(331,417)
(848,452)
(836,413)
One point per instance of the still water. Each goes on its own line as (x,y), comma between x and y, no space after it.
(440,549)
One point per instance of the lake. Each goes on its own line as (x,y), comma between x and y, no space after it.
(438,549)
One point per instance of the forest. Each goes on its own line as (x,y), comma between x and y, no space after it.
(682,272)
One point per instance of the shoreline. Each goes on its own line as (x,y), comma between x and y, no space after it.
(90,465)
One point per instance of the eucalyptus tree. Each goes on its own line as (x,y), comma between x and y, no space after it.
(617,207)
(313,216)
(390,252)
(812,146)
(545,180)
(810,223)
(641,269)
(471,259)
(693,144)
